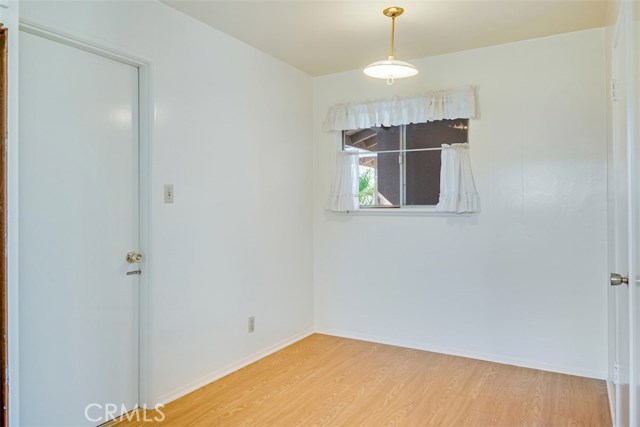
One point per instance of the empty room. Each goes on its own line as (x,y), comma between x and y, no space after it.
(296,213)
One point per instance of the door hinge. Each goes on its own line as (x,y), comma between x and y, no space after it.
(614,94)
(616,373)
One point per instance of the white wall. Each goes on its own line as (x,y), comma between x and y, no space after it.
(9,14)
(524,281)
(233,134)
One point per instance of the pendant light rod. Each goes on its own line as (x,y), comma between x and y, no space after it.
(393,35)
(393,12)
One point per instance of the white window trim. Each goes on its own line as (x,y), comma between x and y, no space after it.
(405,211)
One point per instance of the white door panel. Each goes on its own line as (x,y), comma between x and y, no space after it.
(625,229)
(78,219)
(620,230)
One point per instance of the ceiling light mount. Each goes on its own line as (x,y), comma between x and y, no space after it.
(390,68)
(393,11)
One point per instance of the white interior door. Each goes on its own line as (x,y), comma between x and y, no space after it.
(619,230)
(625,227)
(78,195)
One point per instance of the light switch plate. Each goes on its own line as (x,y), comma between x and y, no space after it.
(168,193)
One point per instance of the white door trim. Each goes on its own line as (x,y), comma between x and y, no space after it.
(145,133)
(627,9)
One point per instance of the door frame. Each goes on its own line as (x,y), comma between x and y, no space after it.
(626,19)
(630,10)
(4,348)
(145,133)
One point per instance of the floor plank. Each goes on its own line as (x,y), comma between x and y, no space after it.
(330,381)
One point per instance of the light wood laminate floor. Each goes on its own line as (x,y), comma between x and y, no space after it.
(329,381)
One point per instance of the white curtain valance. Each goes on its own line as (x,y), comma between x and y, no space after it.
(444,104)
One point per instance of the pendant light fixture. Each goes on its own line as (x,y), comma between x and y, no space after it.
(391,69)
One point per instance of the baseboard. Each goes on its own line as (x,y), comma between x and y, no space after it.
(216,375)
(465,353)
(612,403)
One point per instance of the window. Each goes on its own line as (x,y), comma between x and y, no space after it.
(400,165)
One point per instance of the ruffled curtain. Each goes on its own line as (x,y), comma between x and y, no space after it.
(445,104)
(457,189)
(344,196)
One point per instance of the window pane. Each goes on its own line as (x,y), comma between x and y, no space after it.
(433,134)
(422,185)
(374,188)
(422,168)
(388,179)
(379,175)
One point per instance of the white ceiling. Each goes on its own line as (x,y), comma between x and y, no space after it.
(323,36)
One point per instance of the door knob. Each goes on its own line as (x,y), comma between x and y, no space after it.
(618,279)
(133,257)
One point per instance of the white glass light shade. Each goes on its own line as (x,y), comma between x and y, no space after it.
(390,69)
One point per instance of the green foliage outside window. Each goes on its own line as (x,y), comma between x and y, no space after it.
(367,188)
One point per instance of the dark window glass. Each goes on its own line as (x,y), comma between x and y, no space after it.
(422,178)
(434,134)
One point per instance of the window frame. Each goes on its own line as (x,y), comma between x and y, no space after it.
(403,208)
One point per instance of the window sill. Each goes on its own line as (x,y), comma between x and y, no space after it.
(421,211)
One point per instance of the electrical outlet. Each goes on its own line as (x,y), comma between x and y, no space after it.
(168,193)
(252,324)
